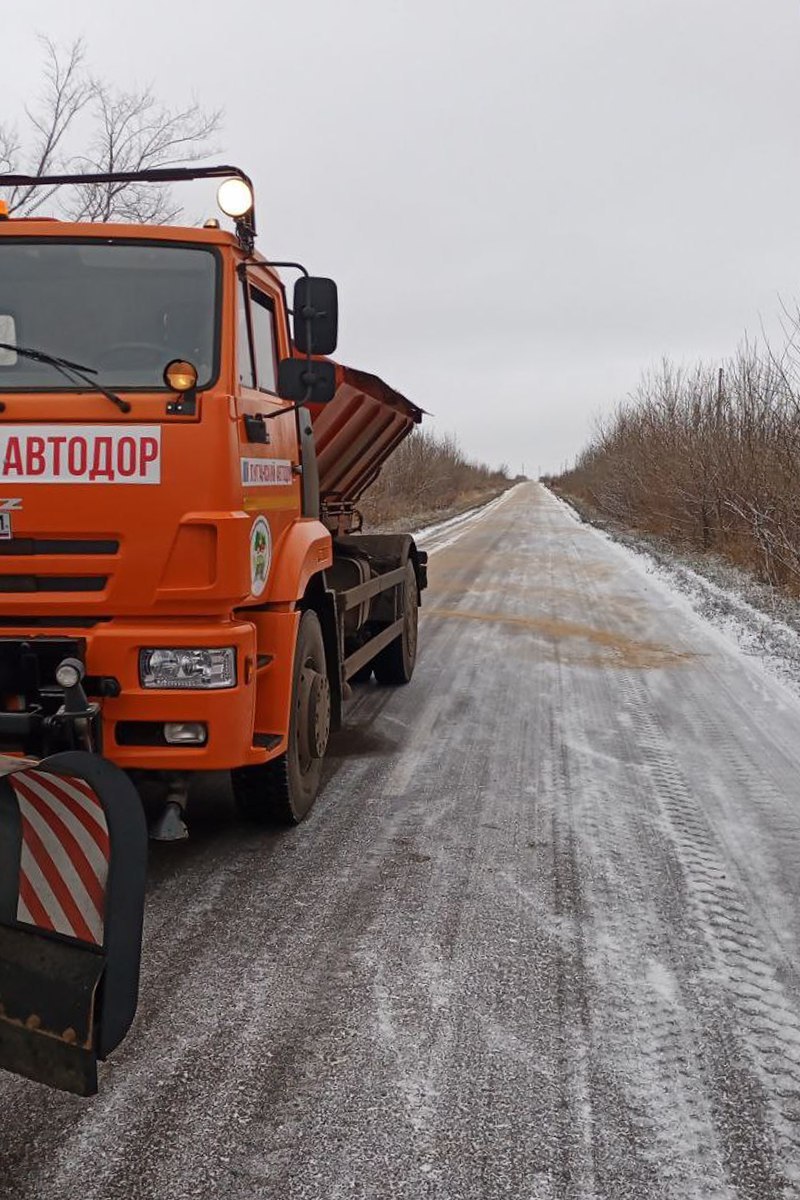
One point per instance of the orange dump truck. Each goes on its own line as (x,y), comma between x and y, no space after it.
(183,584)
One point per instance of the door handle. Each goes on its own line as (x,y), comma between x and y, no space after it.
(256,428)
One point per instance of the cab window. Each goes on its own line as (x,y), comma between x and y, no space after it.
(247,377)
(262,316)
(125,308)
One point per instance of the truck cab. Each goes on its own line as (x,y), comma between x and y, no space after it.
(180,467)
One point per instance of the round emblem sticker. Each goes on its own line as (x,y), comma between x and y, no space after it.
(260,552)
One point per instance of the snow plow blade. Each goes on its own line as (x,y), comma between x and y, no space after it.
(73,856)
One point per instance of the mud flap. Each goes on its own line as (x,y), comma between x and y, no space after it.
(73,857)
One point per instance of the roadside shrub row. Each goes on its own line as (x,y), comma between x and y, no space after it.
(428,475)
(708,458)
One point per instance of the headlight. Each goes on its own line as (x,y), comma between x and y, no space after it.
(187,667)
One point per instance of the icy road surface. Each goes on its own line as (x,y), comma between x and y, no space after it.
(539,939)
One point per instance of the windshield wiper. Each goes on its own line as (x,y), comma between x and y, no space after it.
(69,370)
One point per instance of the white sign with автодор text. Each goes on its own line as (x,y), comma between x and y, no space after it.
(80,454)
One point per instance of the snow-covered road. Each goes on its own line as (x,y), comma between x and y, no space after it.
(540,938)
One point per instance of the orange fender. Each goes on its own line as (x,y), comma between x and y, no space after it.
(303,550)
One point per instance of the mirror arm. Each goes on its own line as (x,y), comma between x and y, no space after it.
(293,408)
(295,265)
(309,319)
(309,316)
(257,262)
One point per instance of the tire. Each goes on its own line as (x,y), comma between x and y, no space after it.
(395,663)
(283,791)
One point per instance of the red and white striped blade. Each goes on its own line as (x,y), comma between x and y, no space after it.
(64,856)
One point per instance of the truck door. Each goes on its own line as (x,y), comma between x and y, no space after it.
(267,442)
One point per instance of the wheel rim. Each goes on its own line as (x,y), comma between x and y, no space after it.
(319,716)
(313,716)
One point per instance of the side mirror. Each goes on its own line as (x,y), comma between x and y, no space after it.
(316,315)
(306,382)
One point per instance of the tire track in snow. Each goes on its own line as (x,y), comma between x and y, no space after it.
(741,989)
(735,978)
(642,1031)
(722,924)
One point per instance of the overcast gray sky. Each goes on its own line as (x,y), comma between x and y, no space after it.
(523,203)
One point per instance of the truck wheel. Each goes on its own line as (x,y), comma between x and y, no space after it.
(395,664)
(282,792)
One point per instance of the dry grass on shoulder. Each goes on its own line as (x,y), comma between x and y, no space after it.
(428,476)
(707,458)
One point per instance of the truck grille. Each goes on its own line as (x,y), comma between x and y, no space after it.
(52,583)
(29,546)
(51,622)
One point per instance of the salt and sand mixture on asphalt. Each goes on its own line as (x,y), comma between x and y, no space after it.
(538,939)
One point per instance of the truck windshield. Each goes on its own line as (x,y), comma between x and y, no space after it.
(125,309)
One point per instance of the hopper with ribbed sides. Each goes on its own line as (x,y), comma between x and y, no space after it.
(355,433)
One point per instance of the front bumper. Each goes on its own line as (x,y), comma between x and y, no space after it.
(110,651)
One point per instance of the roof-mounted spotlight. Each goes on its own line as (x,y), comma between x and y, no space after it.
(235,198)
(235,194)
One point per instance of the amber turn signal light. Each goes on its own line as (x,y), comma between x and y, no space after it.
(180,376)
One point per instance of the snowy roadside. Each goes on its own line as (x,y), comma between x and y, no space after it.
(759,621)
(444,533)
(420,524)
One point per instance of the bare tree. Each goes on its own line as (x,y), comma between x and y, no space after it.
(125,131)
(429,472)
(9,149)
(67,90)
(707,458)
(133,133)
